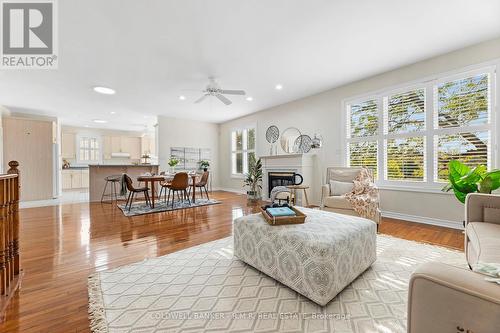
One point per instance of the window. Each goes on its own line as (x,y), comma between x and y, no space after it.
(242,150)
(409,135)
(88,150)
(362,129)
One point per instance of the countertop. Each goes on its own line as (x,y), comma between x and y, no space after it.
(76,167)
(121,165)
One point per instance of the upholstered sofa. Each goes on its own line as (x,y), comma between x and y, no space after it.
(338,203)
(444,298)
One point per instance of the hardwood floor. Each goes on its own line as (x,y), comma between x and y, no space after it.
(62,245)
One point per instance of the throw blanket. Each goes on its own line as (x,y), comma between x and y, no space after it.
(364,196)
(278,189)
(123,186)
(490,269)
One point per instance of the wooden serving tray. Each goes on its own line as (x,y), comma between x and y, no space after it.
(281,220)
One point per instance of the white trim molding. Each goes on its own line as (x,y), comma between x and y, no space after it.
(424,220)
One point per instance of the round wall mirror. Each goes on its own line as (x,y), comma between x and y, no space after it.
(288,140)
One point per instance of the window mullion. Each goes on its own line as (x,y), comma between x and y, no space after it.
(429,156)
(380,140)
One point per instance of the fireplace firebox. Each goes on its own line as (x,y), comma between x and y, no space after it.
(276,178)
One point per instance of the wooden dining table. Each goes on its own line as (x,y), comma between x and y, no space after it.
(158,178)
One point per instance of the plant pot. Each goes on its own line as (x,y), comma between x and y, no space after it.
(205,169)
(253,195)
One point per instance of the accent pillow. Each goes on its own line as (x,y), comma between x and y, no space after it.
(340,188)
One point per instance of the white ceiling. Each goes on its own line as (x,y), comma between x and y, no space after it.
(149,51)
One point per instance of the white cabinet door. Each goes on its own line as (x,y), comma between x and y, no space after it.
(85,178)
(76,179)
(66,179)
(68,145)
(116,144)
(107,147)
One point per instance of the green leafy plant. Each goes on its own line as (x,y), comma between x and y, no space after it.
(253,178)
(172,162)
(204,164)
(463,180)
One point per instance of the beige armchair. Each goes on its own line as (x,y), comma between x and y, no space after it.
(444,298)
(339,203)
(482,228)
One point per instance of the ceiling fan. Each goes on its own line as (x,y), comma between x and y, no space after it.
(213,89)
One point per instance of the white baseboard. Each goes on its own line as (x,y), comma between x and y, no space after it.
(424,220)
(228,189)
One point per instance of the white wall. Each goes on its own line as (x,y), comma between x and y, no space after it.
(174,132)
(322,114)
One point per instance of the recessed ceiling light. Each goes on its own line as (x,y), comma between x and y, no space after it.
(182,97)
(249,98)
(112,112)
(104,90)
(278,87)
(100,121)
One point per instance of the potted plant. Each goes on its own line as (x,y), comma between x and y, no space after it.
(204,165)
(172,162)
(463,180)
(253,179)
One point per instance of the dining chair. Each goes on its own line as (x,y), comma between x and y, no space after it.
(164,185)
(180,183)
(133,191)
(202,184)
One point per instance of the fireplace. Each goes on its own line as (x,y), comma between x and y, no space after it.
(278,178)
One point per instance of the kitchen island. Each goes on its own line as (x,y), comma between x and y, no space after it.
(97,173)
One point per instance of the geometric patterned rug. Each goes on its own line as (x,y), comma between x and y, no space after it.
(205,289)
(140,207)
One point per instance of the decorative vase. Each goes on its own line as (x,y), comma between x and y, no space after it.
(172,169)
(253,196)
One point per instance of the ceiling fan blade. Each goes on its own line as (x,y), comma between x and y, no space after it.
(223,99)
(233,92)
(199,100)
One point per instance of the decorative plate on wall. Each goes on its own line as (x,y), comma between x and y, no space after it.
(272,134)
(304,143)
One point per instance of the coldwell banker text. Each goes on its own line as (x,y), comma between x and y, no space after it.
(29,38)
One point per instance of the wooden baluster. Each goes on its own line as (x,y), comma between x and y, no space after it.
(11,227)
(3,270)
(7,231)
(16,194)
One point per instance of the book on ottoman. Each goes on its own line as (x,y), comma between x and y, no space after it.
(280,211)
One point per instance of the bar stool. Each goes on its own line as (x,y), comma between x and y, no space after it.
(113,194)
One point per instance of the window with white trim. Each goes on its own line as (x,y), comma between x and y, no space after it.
(88,149)
(408,135)
(242,150)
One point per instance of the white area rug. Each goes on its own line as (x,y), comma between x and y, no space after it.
(206,289)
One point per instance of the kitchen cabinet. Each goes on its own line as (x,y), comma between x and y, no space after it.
(106,147)
(132,146)
(122,144)
(66,180)
(148,146)
(116,144)
(68,145)
(75,178)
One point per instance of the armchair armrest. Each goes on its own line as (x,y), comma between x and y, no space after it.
(325,192)
(482,208)
(443,298)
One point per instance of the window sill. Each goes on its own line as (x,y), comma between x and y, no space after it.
(237,176)
(413,188)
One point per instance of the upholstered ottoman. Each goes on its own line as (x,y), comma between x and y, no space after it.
(317,259)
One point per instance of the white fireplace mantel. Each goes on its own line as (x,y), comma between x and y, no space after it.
(298,163)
